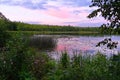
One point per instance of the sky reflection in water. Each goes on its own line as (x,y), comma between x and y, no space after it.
(78,44)
(84,44)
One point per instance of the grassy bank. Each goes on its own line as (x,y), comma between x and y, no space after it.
(15,27)
(52,28)
(55,32)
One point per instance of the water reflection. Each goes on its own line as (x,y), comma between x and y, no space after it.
(43,43)
(73,44)
(85,44)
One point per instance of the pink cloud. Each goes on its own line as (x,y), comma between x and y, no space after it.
(59,13)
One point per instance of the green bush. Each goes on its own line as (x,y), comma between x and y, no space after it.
(14,59)
(4,36)
(20,62)
(41,65)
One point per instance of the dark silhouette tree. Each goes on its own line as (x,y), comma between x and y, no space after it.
(110,10)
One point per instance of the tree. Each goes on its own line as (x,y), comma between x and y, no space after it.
(110,10)
(4,36)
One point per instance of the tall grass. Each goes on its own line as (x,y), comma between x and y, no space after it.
(97,67)
(42,42)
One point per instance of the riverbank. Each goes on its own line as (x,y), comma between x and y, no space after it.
(56,32)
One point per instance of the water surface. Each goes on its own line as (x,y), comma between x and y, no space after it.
(79,44)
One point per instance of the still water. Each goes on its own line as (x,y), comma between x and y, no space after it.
(74,44)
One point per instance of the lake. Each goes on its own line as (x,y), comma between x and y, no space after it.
(57,44)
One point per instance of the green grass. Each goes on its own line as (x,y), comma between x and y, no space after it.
(97,67)
(55,32)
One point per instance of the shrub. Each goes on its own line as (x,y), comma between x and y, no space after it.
(15,59)
(4,36)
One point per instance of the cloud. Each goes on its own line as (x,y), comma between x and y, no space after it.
(86,22)
(76,3)
(41,4)
(81,24)
(31,4)
(55,8)
(57,12)
(69,12)
(23,14)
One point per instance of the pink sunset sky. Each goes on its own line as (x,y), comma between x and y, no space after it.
(52,12)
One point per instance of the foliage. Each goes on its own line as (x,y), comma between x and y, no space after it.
(14,59)
(53,28)
(4,36)
(41,65)
(8,25)
(110,10)
(19,62)
(97,67)
(108,43)
(64,60)
(12,26)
